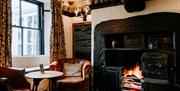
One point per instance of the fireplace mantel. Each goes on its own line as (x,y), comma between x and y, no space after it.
(143,23)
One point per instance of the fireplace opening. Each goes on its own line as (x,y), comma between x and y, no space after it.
(124,78)
(132,78)
(124,69)
(138,71)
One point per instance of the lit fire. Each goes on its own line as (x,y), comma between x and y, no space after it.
(132,78)
(132,90)
(134,71)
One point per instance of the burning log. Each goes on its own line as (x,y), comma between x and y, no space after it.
(131,79)
(131,82)
(130,90)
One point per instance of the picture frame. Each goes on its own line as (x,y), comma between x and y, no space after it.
(82,40)
(134,41)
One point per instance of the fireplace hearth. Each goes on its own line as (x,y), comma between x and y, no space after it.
(138,54)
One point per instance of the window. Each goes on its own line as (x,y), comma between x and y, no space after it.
(27,31)
(29,21)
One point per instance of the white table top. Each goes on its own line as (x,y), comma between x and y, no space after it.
(47,74)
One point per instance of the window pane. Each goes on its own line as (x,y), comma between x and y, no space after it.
(29,37)
(29,14)
(31,42)
(15,12)
(16,41)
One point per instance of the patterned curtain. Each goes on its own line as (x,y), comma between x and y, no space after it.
(57,41)
(5,33)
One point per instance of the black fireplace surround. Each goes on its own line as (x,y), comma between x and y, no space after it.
(151,40)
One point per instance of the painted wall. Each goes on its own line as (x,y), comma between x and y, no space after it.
(30,61)
(118,12)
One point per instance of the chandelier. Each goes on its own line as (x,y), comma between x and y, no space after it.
(75,8)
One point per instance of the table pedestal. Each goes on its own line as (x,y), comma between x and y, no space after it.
(35,84)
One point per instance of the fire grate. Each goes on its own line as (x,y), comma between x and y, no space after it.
(131,83)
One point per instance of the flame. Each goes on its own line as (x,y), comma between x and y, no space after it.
(133,71)
(133,90)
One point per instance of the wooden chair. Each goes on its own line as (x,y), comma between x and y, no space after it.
(74,81)
(5,84)
(12,79)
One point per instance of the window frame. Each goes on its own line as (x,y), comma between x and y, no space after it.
(40,27)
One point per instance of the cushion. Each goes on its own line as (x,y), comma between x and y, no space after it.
(72,69)
(71,79)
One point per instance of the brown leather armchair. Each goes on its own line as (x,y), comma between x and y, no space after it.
(73,82)
(12,79)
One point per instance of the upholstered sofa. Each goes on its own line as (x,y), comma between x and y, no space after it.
(12,79)
(76,74)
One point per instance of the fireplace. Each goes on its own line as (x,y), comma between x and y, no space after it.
(135,55)
(138,72)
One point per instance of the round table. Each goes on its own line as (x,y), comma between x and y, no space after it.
(37,76)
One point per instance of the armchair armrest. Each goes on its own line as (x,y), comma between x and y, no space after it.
(86,69)
(56,66)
